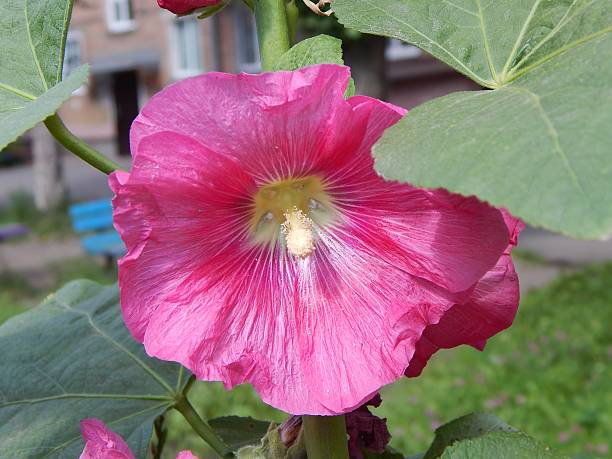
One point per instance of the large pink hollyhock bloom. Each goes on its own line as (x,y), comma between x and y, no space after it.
(264,248)
(185,6)
(103,443)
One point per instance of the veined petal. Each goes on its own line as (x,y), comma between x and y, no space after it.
(180,206)
(275,124)
(490,308)
(442,237)
(338,325)
(102,443)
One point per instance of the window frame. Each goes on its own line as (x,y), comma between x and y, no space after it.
(120,25)
(178,70)
(243,36)
(397,50)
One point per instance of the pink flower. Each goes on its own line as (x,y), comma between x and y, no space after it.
(185,6)
(264,248)
(103,443)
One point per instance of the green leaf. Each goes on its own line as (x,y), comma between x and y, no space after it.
(237,431)
(70,359)
(466,427)
(32,39)
(540,143)
(321,49)
(500,445)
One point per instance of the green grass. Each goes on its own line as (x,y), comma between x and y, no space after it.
(548,375)
(20,208)
(18,293)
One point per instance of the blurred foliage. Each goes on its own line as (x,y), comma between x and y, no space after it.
(21,209)
(20,291)
(548,375)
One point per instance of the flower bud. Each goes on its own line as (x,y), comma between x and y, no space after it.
(185,6)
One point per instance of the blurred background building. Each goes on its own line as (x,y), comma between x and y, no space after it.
(134,49)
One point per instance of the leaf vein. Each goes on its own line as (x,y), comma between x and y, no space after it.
(554,137)
(521,35)
(460,8)
(17,92)
(467,70)
(119,346)
(485,41)
(66,396)
(34,55)
(562,23)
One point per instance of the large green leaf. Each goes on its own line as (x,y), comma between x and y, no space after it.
(540,143)
(321,49)
(466,427)
(500,445)
(32,39)
(72,358)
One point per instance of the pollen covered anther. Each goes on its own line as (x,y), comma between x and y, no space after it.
(299,234)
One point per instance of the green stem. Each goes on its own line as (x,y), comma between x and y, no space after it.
(325,437)
(272,31)
(84,151)
(202,428)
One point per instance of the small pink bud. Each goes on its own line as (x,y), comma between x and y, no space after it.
(185,6)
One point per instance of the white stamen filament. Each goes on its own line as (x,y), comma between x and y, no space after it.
(299,234)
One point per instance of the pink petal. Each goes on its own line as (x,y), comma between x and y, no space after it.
(102,443)
(185,209)
(186,455)
(444,238)
(490,308)
(184,6)
(268,121)
(323,326)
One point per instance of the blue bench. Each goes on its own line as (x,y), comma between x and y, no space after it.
(94,221)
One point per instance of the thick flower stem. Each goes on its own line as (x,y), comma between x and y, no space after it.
(202,428)
(272,31)
(325,437)
(84,151)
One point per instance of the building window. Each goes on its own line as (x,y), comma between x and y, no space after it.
(72,57)
(247,47)
(120,16)
(398,50)
(187,48)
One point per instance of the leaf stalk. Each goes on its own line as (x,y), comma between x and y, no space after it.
(72,143)
(202,428)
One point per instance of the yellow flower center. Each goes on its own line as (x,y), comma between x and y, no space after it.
(291,208)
